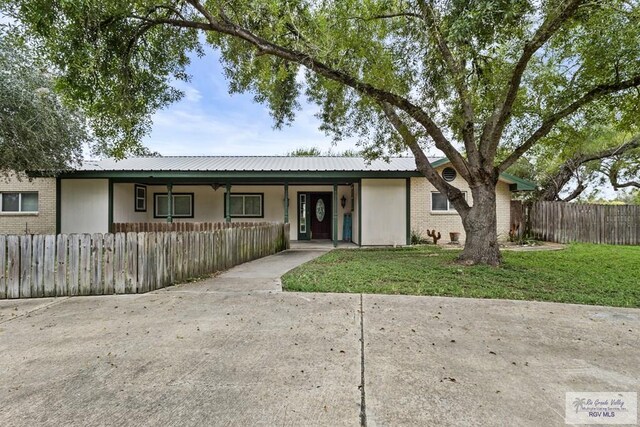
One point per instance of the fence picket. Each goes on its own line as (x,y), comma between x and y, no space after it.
(74,264)
(109,240)
(49,277)
(131,284)
(25,266)
(119,263)
(61,265)
(37,266)
(84,286)
(97,253)
(13,267)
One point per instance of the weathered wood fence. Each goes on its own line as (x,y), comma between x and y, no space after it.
(576,222)
(122,263)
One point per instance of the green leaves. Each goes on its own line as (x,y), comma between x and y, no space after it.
(118,60)
(37,131)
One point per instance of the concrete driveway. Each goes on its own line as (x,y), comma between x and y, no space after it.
(207,353)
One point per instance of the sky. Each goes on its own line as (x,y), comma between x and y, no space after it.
(210,121)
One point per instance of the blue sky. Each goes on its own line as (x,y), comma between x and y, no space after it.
(210,121)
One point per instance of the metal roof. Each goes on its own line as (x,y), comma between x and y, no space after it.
(252,164)
(267,168)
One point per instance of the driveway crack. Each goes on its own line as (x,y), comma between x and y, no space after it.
(363,406)
(56,301)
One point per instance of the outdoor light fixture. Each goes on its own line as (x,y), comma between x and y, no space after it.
(343,201)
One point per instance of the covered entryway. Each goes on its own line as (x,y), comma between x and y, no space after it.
(315,215)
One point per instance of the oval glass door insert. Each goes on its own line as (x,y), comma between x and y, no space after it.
(320,211)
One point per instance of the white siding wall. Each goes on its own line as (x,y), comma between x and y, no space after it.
(123,205)
(84,206)
(384,212)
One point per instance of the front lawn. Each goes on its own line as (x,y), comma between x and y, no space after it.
(581,274)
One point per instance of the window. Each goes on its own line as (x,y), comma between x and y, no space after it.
(449,174)
(140,194)
(440,203)
(303,213)
(182,205)
(245,205)
(19,202)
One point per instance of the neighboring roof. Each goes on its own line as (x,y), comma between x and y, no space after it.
(253,164)
(262,167)
(520,184)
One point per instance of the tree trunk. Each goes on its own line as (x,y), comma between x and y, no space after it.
(480,225)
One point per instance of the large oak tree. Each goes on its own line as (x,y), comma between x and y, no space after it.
(472,78)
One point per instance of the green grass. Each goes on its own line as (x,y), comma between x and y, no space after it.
(580,274)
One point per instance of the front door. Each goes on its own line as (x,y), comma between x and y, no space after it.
(321,215)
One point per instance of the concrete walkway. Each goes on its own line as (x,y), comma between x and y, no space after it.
(261,275)
(208,354)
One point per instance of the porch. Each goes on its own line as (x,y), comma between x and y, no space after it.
(327,206)
(319,212)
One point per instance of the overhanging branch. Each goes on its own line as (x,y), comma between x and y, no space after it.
(495,124)
(548,124)
(422,162)
(223,25)
(456,70)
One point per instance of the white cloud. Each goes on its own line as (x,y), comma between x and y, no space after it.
(187,131)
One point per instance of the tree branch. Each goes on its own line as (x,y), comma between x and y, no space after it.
(388,16)
(495,124)
(575,193)
(455,196)
(553,185)
(548,124)
(457,73)
(224,25)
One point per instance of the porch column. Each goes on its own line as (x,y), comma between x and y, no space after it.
(227,205)
(335,215)
(286,203)
(170,202)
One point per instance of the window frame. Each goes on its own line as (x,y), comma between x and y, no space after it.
(450,208)
(137,187)
(449,168)
(173,214)
(20,211)
(243,195)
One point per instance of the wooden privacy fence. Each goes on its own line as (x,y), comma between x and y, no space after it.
(575,222)
(123,263)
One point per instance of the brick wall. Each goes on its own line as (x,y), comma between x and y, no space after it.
(42,222)
(423,219)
